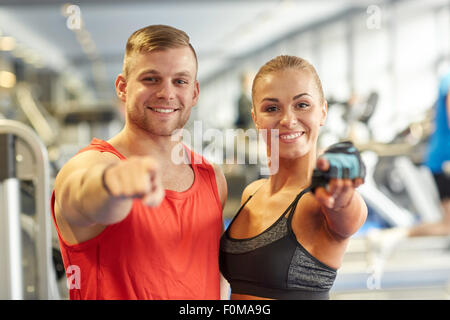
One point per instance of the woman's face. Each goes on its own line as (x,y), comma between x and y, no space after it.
(289,101)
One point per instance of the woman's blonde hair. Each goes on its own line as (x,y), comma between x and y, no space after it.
(284,62)
(151,38)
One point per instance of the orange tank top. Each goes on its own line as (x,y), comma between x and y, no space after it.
(169,252)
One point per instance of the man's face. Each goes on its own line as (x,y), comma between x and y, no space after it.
(160,90)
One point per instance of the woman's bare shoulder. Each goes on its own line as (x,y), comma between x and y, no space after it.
(251,189)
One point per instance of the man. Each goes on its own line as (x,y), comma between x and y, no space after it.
(132,223)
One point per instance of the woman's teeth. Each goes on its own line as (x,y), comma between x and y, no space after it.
(291,136)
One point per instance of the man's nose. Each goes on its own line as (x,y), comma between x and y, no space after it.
(165,91)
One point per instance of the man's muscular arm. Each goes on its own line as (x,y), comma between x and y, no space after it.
(98,188)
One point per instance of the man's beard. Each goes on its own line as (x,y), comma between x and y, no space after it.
(153,126)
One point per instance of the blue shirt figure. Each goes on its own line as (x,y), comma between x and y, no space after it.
(439,146)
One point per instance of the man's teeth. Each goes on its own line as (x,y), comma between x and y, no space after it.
(291,136)
(163,110)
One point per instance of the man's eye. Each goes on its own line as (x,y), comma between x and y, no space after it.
(180,81)
(150,79)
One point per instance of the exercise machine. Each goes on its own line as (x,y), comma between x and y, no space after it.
(26,254)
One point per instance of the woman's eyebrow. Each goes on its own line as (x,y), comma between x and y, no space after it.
(301,95)
(295,97)
(270,99)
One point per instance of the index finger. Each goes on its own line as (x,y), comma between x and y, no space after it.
(357,182)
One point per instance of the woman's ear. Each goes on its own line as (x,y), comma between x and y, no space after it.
(254,117)
(324,113)
(121,87)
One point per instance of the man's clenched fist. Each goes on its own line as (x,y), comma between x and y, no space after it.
(136,177)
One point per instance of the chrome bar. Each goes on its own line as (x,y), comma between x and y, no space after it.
(11,277)
(47,276)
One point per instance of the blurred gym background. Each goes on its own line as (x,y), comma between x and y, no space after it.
(379,62)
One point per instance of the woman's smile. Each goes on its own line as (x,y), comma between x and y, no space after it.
(291,137)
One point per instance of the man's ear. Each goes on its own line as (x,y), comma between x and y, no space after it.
(324,113)
(121,87)
(196,92)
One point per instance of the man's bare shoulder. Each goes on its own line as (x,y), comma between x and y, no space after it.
(67,184)
(84,161)
(221,182)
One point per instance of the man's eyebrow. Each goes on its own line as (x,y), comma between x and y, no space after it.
(183,73)
(149,71)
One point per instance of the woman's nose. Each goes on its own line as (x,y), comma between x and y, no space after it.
(289,120)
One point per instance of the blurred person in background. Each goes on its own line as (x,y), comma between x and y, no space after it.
(382,242)
(133,223)
(438,161)
(288,240)
(244,103)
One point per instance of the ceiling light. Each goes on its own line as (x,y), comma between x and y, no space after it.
(7,43)
(7,79)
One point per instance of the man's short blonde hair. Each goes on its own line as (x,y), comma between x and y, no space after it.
(151,38)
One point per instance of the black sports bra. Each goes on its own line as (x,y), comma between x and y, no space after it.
(274,264)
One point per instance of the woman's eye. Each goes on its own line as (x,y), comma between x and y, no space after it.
(271,109)
(302,105)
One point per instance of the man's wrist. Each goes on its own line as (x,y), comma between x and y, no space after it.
(104,185)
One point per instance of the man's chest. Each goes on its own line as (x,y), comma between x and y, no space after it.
(178,179)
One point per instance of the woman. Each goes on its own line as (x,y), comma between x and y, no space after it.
(286,242)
